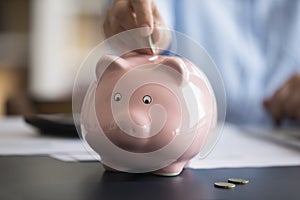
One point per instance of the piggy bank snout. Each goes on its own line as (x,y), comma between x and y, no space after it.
(141,123)
(135,124)
(138,118)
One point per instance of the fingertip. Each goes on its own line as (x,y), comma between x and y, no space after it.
(146,30)
(277,122)
(276,113)
(298,115)
(266,103)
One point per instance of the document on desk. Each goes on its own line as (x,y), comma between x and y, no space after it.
(251,147)
(17,138)
(237,147)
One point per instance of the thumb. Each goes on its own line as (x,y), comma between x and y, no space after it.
(144,15)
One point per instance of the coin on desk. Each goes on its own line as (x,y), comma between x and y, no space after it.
(238,181)
(224,185)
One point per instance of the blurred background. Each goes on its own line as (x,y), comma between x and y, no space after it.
(42,43)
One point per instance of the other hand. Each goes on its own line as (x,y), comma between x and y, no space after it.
(285,103)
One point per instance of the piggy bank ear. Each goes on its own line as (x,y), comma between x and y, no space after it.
(110,63)
(178,65)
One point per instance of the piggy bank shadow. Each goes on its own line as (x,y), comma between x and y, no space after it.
(119,185)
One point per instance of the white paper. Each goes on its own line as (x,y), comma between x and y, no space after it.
(237,147)
(18,138)
(250,147)
(63,157)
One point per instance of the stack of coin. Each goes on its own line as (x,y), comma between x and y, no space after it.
(224,185)
(231,183)
(238,181)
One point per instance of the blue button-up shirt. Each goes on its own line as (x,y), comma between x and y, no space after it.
(254,43)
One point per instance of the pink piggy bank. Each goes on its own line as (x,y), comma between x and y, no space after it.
(148,113)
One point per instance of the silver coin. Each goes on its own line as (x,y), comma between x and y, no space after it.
(224,185)
(151,44)
(238,181)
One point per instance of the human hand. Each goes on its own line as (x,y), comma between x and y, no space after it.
(124,15)
(285,103)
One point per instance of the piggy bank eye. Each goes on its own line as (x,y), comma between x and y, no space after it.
(147,99)
(117,97)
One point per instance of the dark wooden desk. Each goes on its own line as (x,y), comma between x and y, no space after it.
(46,178)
